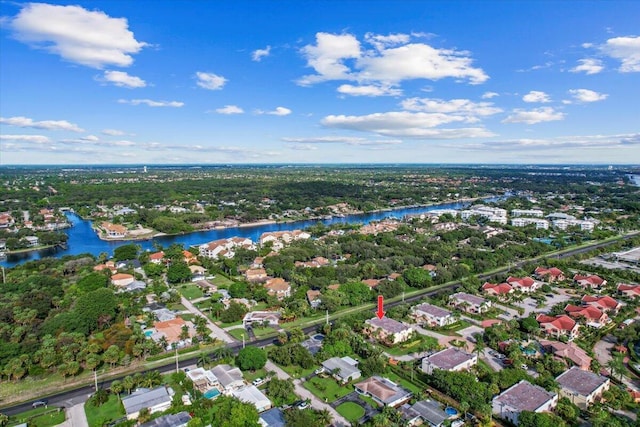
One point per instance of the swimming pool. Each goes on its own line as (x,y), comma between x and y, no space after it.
(148,333)
(318,337)
(212,393)
(450,411)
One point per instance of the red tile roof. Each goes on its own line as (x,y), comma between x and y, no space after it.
(500,289)
(525,282)
(562,322)
(589,312)
(604,301)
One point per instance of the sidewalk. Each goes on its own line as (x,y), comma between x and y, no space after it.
(338,420)
(216,331)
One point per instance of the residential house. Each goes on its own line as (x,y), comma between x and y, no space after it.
(549,275)
(630,291)
(197,272)
(189,257)
(228,377)
(469,303)
(592,281)
(270,317)
(558,326)
(121,279)
(202,379)
(171,330)
(156,257)
(313,263)
(251,394)
(6,220)
(567,351)
(541,224)
(136,285)
(279,238)
(274,417)
(534,213)
(424,412)
(278,287)
(181,419)
(492,214)
(582,387)
(450,359)
(32,241)
(388,330)
(593,316)
(114,231)
(313,296)
(501,290)
(371,283)
(432,315)
(156,400)
(256,275)
(604,303)
(343,369)
(224,248)
(523,396)
(383,391)
(524,284)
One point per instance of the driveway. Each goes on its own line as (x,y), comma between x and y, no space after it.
(602,349)
(216,331)
(75,417)
(443,340)
(493,361)
(338,420)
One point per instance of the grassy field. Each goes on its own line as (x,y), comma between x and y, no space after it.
(238,333)
(351,411)
(40,417)
(404,383)
(298,372)
(109,411)
(191,291)
(220,281)
(327,389)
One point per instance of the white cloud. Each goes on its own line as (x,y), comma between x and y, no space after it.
(538,115)
(405,124)
(558,143)
(229,109)
(368,90)
(90,138)
(536,96)
(626,50)
(279,111)
(586,95)
(454,106)
(25,122)
(346,140)
(90,38)
(489,95)
(393,59)
(210,81)
(34,139)
(588,66)
(258,54)
(113,132)
(151,103)
(122,79)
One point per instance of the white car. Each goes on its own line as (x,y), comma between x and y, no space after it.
(257,382)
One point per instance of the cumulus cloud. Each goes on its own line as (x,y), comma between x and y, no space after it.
(463,107)
(229,109)
(279,111)
(258,54)
(123,79)
(626,50)
(392,60)
(489,95)
(588,66)
(537,115)
(113,132)
(536,96)
(564,142)
(210,81)
(90,38)
(33,139)
(151,103)
(586,95)
(25,122)
(369,90)
(406,124)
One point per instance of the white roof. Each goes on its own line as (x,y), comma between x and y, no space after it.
(251,394)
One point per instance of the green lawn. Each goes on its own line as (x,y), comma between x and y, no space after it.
(191,291)
(369,400)
(404,348)
(404,383)
(176,307)
(327,389)
(220,281)
(351,411)
(298,372)
(263,332)
(40,417)
(111,410)
(238,333)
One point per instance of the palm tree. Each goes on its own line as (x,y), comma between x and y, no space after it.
(324,417)
(203,359)
(128,383)
(616,365)
(117,387)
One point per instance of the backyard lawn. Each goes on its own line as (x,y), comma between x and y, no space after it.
(404,383)
(40,417)
(220,281)
(351,411)
(238,333)
(109,411)
(191,291)
(327,389)
(298,372)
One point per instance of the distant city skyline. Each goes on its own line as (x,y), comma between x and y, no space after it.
(165,82)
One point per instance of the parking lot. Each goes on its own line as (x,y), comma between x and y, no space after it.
(531,306)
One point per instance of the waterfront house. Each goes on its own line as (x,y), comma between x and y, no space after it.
(114,231)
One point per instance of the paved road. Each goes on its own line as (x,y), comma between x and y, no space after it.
(338,420)
(216,331)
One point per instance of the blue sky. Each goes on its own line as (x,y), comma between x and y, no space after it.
(102,82)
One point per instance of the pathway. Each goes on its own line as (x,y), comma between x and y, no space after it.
(338,420)
(216,331)
(75,417)
(443,340)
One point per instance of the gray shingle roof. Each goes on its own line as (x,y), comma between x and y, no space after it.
(145,398)
(579,381)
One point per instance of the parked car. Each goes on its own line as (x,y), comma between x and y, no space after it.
(257,382)
(303,405)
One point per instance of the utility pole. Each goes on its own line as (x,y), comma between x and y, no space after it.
(242,340)
(3,278)
(402,296)
(95,379)
(327,317)
(177,367)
